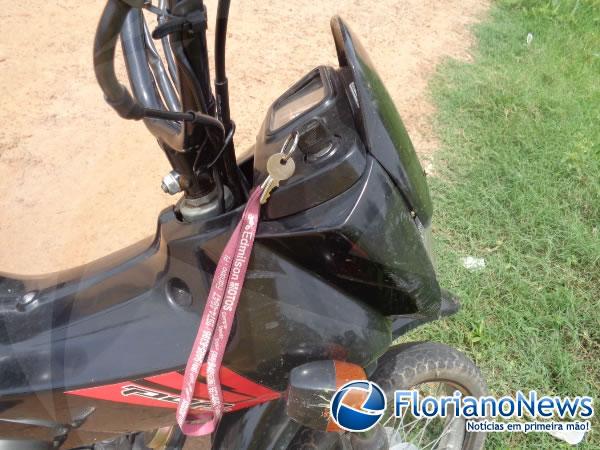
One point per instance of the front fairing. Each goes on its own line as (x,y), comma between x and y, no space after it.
(383,131)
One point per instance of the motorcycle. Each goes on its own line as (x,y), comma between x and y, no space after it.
(93,357)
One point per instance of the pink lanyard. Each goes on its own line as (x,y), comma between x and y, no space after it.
(227,284)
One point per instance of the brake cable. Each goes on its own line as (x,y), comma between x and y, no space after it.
(190,116)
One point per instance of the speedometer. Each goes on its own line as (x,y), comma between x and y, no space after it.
(299,99)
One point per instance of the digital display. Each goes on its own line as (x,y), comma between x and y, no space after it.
(303,98)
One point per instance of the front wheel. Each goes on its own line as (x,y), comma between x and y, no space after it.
(431,368)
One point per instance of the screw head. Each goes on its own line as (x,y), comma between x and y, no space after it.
(25,300)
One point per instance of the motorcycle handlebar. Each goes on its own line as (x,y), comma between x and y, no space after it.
(105,42)
(116,94)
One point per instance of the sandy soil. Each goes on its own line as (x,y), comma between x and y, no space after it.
(77,182)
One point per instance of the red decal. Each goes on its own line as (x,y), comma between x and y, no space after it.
(242,385)
(174,380)
(241,393)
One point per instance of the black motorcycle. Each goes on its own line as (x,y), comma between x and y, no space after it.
(93,357)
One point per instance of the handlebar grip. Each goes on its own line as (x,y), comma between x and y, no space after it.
(105,42)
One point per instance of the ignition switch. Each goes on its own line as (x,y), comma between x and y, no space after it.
(316,142)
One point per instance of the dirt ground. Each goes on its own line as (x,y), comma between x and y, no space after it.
(78,182)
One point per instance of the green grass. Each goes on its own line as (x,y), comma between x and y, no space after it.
(519,185)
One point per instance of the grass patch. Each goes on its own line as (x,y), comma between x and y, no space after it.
(519,185)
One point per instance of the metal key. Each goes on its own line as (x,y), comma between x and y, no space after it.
(280,167)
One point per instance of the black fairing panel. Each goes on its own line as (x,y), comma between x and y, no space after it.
(319,286)
(383,130)
(112,320)
(238,430)
(377,254)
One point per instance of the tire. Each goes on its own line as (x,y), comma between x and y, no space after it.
(408,365)
(404,367)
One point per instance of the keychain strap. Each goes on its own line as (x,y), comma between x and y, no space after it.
(216,322)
